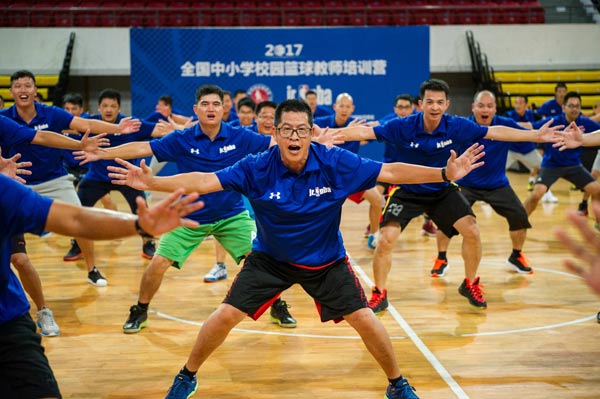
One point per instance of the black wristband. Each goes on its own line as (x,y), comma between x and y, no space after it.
(444,177)
(141,231)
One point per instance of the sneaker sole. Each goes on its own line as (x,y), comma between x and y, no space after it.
(207,280)
(97,284)
(518,270)
(428,234)
(436,275)
(276,321)
(72,258)
(473,305)
(45,333)
(147,256)
(135,330)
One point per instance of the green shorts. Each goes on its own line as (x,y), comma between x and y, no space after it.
(235,234)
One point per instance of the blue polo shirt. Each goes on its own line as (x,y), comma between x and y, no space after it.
(298,215)
(11,133)
(97,170)
(236,123)
(21,210)
(492,174)
(321,111)
(46,162)
(156,116)
(524,147)
(233,116)
(329,121)
(193,151)
(414,145)
(550,108)
(553,158)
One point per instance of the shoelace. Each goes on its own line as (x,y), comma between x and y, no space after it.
(46,318)
(523,260)
(376,298)
(438,263)
(477,291)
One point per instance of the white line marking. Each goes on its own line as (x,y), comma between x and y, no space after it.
(441,370)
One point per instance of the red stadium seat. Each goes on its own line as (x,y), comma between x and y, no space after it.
(248,17)
(357,18)
(313,18)
(292,18)
(378,18)
(224,18)
(335,18)
(269,18)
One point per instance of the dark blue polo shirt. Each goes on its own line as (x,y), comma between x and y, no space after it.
(47,163)
(21,210)
(11,133)
(414,145)
(550,108)
(329,121)
(97,170)
(298,215)
(193,151)
(492,174)
(524,147)
(553,158)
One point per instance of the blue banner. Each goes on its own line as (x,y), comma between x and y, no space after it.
(372,64)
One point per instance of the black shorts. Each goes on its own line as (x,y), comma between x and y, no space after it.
(18,244)
(90,191)
(588,155)
(24,368)
(574,174)
(334,287)
(444,207)
(504,201)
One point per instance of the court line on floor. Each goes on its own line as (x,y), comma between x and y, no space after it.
(412,335)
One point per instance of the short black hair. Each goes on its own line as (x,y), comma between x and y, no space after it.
(524,96)
(246,102)
(404,96)
(239,91)
(264,104)
(110,93)
(73,98)
(293,105)
(23,73)
(434,85)
(168,100)
(310,92)
(559,85)
(572,94)
(208,89)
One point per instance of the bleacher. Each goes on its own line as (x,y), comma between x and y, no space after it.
(151,13)
(539,85)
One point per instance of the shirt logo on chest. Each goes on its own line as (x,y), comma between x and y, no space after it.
(195,151)
(43,126)
(226,149)
(445,143)
(414,145)
(318,191)
(276,195)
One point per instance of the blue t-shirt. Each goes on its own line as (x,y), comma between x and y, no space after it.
(492,174)
(97,170)
(550,108)
(193,151)
(524,147)
(11,133)
(321,111)
(47,163)
(553,158)
(414,145)
(329,121)
(298,215)
(21,210)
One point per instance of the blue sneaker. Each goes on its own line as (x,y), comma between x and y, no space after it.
(402,390)
(373,240)
(183,387)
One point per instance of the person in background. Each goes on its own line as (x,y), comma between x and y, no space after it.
(318,110)
(554,106)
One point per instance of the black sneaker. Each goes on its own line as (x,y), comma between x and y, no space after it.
(148,249)
(95,278)
(520,264)
(281,316)
(473,292)
(138,319)
(582,208)
(401,390)
(378,301)
(74,253)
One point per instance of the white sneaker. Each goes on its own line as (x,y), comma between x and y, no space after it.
(218,272)
(46,323)
(549,197)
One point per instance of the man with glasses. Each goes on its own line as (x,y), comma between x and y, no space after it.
(565,164)
(209,146)
(297,190)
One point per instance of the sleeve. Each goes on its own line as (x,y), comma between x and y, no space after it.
(24,209)
(389,132)
(166,148)
(235,177)
(11,133)
(256,142)
(354,173)
(61,119)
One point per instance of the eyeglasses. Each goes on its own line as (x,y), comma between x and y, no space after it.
(287,132)
(404,106)
(573,106)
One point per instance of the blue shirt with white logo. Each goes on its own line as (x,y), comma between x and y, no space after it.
(550,108)
(523,147)
(47,163)
(329,121)
(298,215)
(193,151)
(21,210)
(553,158)
(97,170)
(414,145)
(492,174)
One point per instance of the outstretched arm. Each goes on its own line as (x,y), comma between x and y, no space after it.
(51,139)
(141,178)
(101,224)
(11,168)
(456,168)
(544,134)
(136,149)
(126,125)
(587,251)
(574,138)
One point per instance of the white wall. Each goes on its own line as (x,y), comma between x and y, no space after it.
(105,52)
